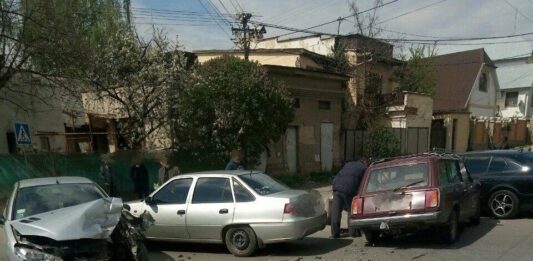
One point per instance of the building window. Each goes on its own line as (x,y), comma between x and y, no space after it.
(324,105)
(483,82)
(511,99)
(45,144)
(296,103)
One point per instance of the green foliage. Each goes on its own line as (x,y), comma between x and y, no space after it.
(231,103)
(341,64)
(382,144)
(313,180)
(417,74)
(64,36)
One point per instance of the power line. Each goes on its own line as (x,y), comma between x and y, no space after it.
(344,17)
(518,11)
(412,11)
(220,26)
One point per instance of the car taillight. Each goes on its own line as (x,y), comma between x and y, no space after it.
(289,209)
(432,198)
(357,206)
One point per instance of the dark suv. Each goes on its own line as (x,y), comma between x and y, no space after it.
(403,195)
(506,178)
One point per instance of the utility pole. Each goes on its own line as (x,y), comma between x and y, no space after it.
(243,35)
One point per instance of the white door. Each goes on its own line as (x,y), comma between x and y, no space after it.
(290,146)
(211,208)
(168,207)
(326,146)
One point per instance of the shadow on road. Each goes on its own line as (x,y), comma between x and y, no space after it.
(430,239)
(311,246)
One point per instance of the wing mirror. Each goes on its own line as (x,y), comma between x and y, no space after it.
(116,205)
(149,200)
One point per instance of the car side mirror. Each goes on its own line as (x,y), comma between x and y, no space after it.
(149,200)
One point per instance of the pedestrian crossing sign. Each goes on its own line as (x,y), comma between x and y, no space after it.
(22,133)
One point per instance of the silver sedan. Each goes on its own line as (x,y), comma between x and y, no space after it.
(242,209)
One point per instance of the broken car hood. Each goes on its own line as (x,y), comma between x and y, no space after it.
(92,220)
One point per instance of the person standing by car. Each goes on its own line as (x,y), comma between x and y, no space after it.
(236,161)
(345,187)
(141,180)
(107,174)
(166,172)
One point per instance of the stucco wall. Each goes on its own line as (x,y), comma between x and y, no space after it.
(279,58)
(44,116)
(462,131)
(313,44)
(517,111)
(484,103)
(308,119)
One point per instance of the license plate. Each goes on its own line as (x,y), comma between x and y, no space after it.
(384,226)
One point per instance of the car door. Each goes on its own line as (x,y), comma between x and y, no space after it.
(211,208)
(168,208)
(472,189)
(451,186)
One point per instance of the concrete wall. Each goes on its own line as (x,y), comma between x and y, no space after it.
(462,131)
(278,58)
(484,103)
(313,44)
(39,106)
(523,110)
(307,120)
(416,112)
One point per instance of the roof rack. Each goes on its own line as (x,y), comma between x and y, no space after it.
(424,154)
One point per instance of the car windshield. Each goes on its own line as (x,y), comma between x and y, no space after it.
(262,183)
(397,177)
(40,199)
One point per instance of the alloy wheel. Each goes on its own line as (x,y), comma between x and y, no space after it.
(502,204)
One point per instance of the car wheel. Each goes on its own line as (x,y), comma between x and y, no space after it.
(504,204)
(372,237)
(476,219)
(241,241)
(451,230)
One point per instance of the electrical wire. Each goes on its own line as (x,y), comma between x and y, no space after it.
(518,11)
(344,17)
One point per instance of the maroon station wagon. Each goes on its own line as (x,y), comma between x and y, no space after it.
(403,195)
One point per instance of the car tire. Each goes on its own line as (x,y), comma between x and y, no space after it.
(504,204)
(241,241)
(372,237)
(450,232)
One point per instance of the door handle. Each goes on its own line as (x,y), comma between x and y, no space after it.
(223,211)
(181,212)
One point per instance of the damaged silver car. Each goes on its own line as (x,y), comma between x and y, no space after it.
(69,218)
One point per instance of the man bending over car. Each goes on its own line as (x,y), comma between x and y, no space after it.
(345,186)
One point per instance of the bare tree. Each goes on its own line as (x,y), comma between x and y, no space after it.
(367,23)
(138,83)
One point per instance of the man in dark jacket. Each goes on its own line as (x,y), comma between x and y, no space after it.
(345,186)
(141,180)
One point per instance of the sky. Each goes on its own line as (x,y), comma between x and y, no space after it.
(189,22)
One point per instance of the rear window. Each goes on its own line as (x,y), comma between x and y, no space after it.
(262,183)
(397,177)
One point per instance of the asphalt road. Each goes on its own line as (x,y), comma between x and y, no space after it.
(491,240)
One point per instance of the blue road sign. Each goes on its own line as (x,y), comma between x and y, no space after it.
(22,133)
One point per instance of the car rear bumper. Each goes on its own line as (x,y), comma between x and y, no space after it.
(270,233)
(402,221)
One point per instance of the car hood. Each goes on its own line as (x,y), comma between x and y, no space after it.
(92,220)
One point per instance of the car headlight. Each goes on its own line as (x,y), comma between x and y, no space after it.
(32,254)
